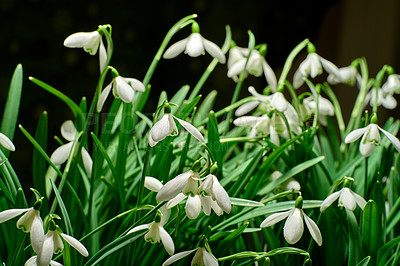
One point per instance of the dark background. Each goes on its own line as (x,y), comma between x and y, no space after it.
(33,33)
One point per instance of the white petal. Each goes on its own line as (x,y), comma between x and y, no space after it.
(214,205)
(68,130)
(389,102)
(175,201)
(221,196)
(152,184)
(87,161)
(246,121)
(194,46)
(193,207)
(355,134)
(58,243)
(329,200)
(298,79)
(274,218)
(175,49)
(294,227)
(61,154)
(37,233)
(174,186)
(80,39)
(279,102)
(236,68)
(25,221)
(6,142)
(330,67)
(177,257)
(9,214)
(102,56)
(346,198)
(165,214)
(159,131)
(135,84)
(214,51)
(315,65)
(246,107)
(209,259)
(360,200)
(138,228)
(314,230)
(123,90)
(270,76)
(191,129)
(31,261)
(395,141)
(55,263)
(173,129)
(103,96)
(75,244)
(206,204)
(167,241)
(366,147)
(45,255)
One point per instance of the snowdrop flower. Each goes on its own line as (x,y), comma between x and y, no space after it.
(324,105)
(346,75)
(166,127)
(212,188)
(256,65)
(385,99)
(122,88)
(187,183)
(194,46)
(201,257)
(61,154)
(347,198)
(6,142)
(91,42)
(370,138)
(157,232)
(32,261)
(294,227)
(392,84)
(311,66)
(30,222)
(262,101)
(53,244)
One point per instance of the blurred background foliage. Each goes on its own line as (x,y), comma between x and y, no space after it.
(33,32)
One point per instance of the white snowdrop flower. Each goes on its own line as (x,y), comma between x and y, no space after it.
(91,42)
(392,84)
(256,65)
(194,46)
(61,154)
(53,244)
(201,257)
(262,101)
(370,138)
(294,226)
(212,188)
(6,142)
(122,88)
(166,127)
(347,198)
(345,75)
(385,99)
(186,183)
(324,105)
(156,231)
(311,66)
(32,261)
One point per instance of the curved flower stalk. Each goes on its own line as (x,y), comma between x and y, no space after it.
(371,138)
(194,46)
(324,105)
(30,222)
(156,231)
(91,42)
(6,142)
(61,154)
(347,198)
(294,227)
(256,65)
(201,257)
(53,244)
(122,88)
(166,127)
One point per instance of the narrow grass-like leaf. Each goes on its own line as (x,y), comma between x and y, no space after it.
(364,261)
(214,144)
(76,110)
(246,202)
(228,241)
(385,251)
(371,230)
(64,212)
(355,241)
(187,110)
(180,96)
(39,163)
(10,114)
(105,155)
(205,108)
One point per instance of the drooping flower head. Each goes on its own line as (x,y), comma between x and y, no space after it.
(61,154)
(166,127)
(122,88)
(294,225)
(194,46)
(6,142)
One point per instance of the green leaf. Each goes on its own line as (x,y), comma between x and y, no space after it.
(228,241)
(205,108)
(39,163)
(214,144)
(76,110)
(245,202)
(385,251)
(364,261)
(186,111)
(355,242)
(371,230)
(179,96)
(10,114)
